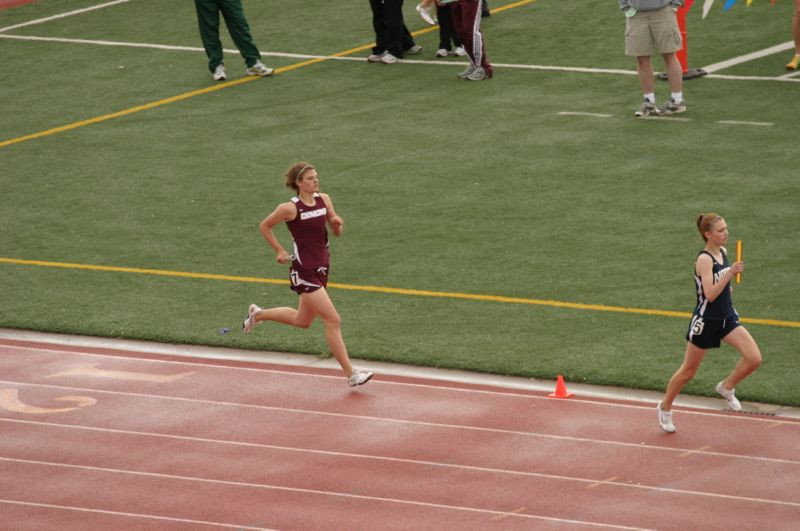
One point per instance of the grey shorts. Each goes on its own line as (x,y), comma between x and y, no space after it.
(651,32)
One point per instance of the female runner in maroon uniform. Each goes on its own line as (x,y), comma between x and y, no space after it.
(306,216)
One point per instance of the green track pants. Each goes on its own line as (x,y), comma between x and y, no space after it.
(208,18)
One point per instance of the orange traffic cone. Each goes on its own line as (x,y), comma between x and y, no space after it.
(561,389)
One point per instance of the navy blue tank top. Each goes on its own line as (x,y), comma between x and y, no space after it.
(722,306)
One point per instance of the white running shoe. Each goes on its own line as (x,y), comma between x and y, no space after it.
(359,377)
(460,51)
(665,419)
(426,15)
(414,50)
(250,321)
(727,394)
(219,73)
(477,75)
(259,69)
(441,52)
(468,72)
(388,59)
(376,57)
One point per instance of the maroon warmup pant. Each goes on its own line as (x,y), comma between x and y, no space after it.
(467,20)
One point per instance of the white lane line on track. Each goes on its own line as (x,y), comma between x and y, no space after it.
(311,491)
(62,15)
(437,425)
(591,483)
(134,515)
(608,482)
(189,438)
(382,382)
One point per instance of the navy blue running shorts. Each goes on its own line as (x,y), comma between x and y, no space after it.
(708,333)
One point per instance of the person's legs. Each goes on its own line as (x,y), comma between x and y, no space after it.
(466,17)
(208,22)
(302,317)
(674,72)
(447,33)
(320,303)
(794,64)
(396,31)
(644,70)
(691,361)
(379,25)
(239,30)
(796,27)
(741,340)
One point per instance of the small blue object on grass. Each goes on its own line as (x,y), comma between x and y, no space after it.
(223,330)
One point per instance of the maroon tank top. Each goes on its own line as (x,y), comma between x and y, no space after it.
(310,234)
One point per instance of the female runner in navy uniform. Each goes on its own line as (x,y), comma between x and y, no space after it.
(714,320)
(306,216)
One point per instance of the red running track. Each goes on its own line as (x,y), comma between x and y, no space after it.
(111,439)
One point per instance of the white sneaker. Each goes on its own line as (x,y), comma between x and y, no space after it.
(477,75)
(441,52)
(376,57)
(259,69)
(359,377)
(460,51)
(414,50)
(426,15)
(250,321)
(665,419)
(727,394)
(468,72)
(219,73)
(388,59)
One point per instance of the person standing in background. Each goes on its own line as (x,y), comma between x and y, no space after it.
(232,11)
(467,17)
(652,26)
(448,34)
(392,38)
(794,64)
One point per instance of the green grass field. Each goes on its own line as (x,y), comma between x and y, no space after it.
(445,186)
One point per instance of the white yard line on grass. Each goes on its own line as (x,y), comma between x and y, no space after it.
(738,122)
(788,45)
(793,77)
(592,114)
(62,15)
(157,46)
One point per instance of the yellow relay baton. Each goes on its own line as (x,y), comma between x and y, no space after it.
(738,259)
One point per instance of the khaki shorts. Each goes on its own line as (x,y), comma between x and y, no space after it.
(650,32)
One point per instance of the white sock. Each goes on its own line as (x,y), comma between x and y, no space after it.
(677,97)
(651,97)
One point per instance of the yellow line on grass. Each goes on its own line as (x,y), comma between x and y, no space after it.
(388,290)
(511,6)
(220,86)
